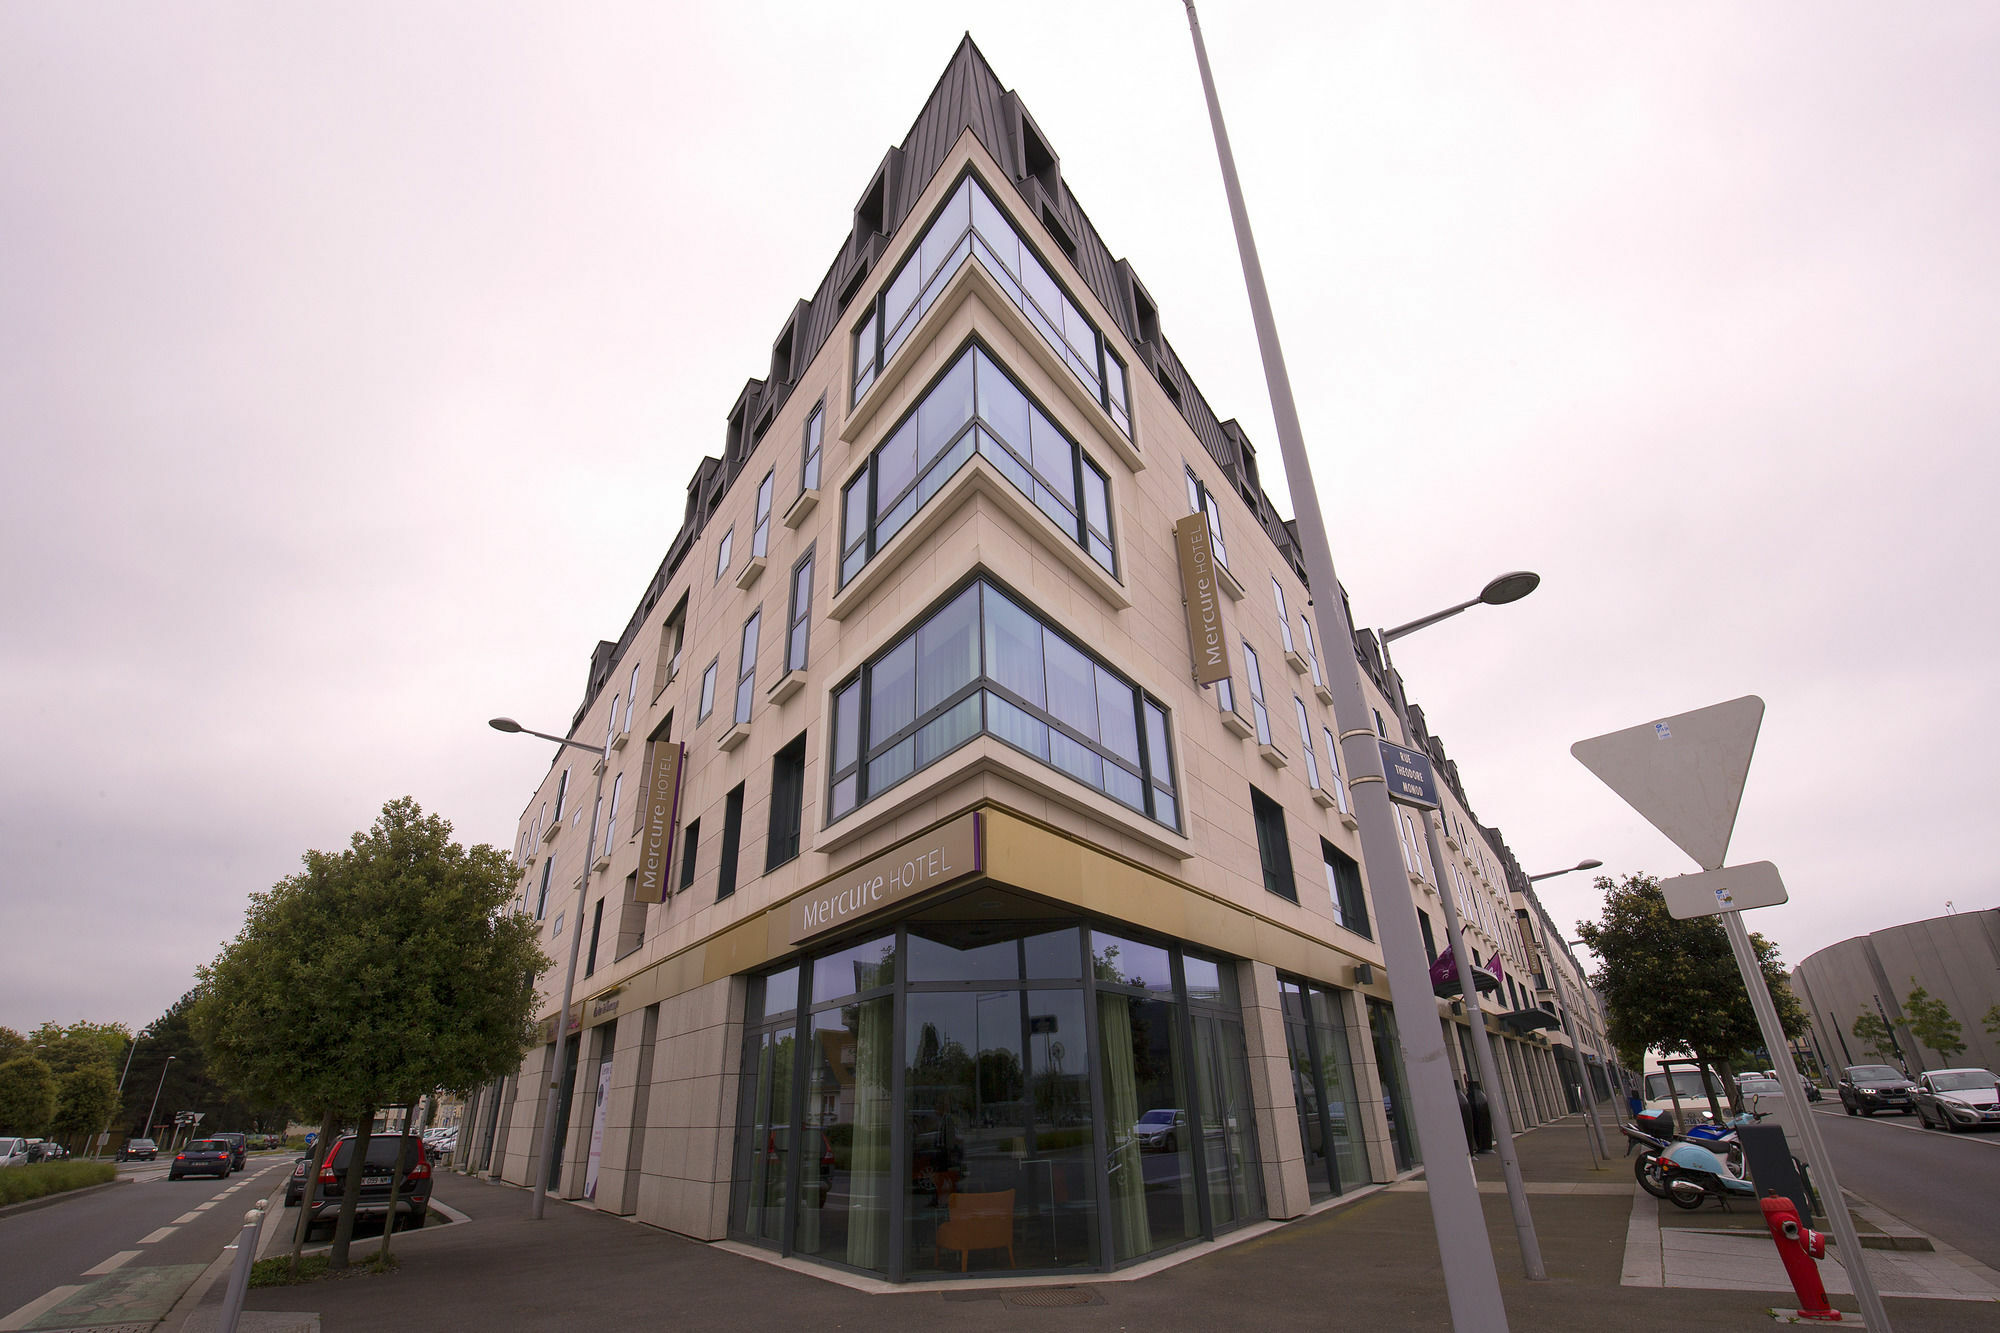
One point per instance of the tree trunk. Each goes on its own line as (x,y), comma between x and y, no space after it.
(350,1194)
(329,1126)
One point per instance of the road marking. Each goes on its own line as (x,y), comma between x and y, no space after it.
(185,1218)
(1915,1126)
(161,1234)
(115,1261)
(48,1300)
(204,1207)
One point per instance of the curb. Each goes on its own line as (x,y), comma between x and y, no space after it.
(49,1200)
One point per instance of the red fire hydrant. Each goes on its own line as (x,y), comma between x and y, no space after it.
(1798,1246)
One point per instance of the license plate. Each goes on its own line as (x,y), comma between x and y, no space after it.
(372,1178)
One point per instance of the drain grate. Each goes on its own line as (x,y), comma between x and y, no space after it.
(1051,1296)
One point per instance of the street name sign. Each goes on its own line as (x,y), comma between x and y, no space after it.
(1731,889)
(1683,773)
(1408,773)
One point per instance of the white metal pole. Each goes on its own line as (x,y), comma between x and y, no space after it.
(1471,1282)
(1872,1312)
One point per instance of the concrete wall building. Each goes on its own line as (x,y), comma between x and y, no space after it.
(938,921)
(1956,958)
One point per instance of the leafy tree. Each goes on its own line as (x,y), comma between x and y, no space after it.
(1672,985)
(1931,1023)
(1876,1037)
(372,976)
(12,1044)
(27,1095)
(85,1099)
(1992,1021)
(188,1083)
(80,1045)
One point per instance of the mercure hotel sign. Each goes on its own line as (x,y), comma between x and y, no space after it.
(932,860)
(1196,549)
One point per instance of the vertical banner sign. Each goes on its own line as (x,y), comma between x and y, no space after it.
(663,806)
(597,1130)
(1204,600)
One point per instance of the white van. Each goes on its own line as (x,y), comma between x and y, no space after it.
(1661,1086)
(13,1152)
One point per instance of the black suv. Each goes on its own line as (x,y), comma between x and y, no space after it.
(413,1197)
(1866,1089)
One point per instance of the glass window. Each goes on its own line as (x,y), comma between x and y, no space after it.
(815,429)
(1333,769)
(1312,650)
(801,626)
(690,839)
(1306,743)
(707,692)
(1044,695)
(611,816)
(732,837)
(1122,962)
(1284,618)
(968,225)
(1255,676)
(542,898)
(722,555)
(939,436)
(1202,501)
(760,536)
(1274,849)
(788,791)
(1149,1133)
(1343,889)
(746,676)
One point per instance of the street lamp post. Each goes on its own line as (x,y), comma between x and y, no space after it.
(156,1093)
(1500,591)
(1562,1012)
(1471,1281)
(543,1162)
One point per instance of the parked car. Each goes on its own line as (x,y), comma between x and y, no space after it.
(1956,1099)
(203,1157)
(46,1150)
(237,1143)
(1866,1089)
(295,1186)
(13,1151)
(413,1195)
(1161,1129)
(138,1150)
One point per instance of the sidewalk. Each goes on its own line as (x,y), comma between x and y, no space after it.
(1372,1263)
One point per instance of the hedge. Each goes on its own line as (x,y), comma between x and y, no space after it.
(18,1184)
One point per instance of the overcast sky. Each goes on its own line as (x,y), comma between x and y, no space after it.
(354,360)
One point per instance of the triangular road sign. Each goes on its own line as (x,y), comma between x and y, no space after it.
(1684,773)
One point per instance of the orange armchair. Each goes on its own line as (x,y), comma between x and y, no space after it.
(978,1222)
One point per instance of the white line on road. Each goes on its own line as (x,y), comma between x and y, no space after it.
(161,1234)
(28,1313)
(185,1218)
(204,1207)
(115,1261)
(1914,1126)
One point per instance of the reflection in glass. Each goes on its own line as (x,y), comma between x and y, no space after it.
(1343,1109)
(1229,1142)
(1150,1168)
(856,968)
(1389,1065)
(765,1138)
(965,1109)
(844,1177)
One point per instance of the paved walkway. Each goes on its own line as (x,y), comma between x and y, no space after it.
(1370,1263)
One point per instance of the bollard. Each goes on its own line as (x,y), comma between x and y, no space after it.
(239,1272)
(1799,1246)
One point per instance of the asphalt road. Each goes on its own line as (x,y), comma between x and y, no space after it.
(1944,1184)
(133,1245)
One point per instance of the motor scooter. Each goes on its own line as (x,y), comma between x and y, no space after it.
(1693,1174)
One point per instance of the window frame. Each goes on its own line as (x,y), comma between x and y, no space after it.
(760,532)
(732,843)
(705,704)
(723,553)
(1274,845)
(786,835)
(813,446)
(1260,714)
(746,669)
(798,628)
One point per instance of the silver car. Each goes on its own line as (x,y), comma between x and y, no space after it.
(1955,1099)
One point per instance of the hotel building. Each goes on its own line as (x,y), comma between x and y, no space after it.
(939,921)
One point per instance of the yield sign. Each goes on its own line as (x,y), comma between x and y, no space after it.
(1683,773)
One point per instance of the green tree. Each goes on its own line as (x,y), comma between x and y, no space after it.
(1931,1023)
(27,1096)
(187,1083)
(80,1045)
(1673,986)
(12,1044)
(1875,1036)
(85,1099)
(372,976)
(1992,1021)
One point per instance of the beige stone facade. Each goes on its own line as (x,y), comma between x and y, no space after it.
(664,988)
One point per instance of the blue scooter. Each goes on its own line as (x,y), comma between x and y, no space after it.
(1693,1174)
